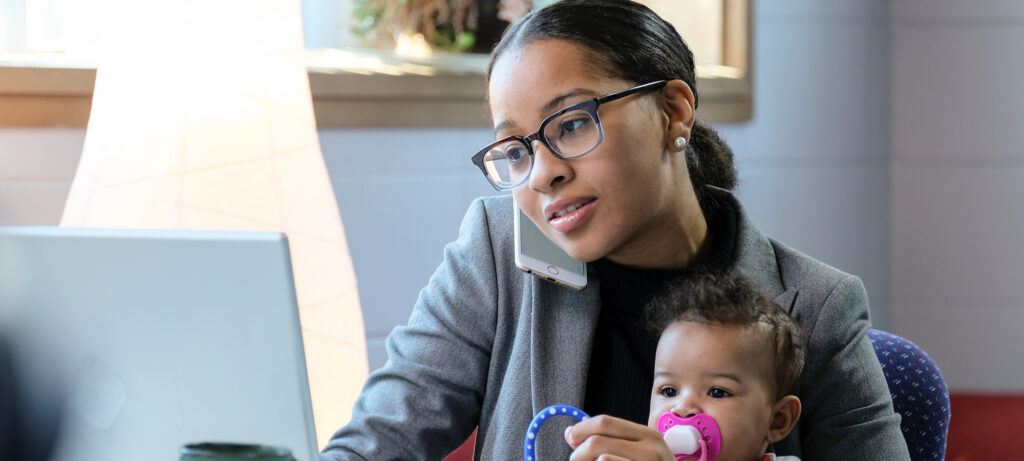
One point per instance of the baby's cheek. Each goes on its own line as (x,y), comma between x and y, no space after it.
(656,412)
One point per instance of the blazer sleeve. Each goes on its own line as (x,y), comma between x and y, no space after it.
(848,412)
(426,400)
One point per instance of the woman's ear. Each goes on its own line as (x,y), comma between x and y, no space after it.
(785,413)
(678,111)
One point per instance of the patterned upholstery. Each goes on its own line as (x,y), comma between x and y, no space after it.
(919,394)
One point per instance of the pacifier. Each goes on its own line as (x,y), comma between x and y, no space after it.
(696,437)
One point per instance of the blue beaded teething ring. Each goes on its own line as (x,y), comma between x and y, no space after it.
(530,446)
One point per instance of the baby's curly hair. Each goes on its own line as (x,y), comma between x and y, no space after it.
(716,299)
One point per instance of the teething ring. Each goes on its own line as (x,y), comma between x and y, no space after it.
(530,445)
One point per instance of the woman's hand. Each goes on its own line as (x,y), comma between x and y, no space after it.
(606,438)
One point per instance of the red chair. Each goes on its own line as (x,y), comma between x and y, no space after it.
(464,452)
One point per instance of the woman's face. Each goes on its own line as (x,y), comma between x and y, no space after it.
(627,199)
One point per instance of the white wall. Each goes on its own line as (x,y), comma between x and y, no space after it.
(36,169)
(957,184)
(402,195)
(814,164)
(814,161)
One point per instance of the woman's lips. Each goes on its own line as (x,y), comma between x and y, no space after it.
(573,219)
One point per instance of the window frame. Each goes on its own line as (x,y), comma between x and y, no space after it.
(442,91)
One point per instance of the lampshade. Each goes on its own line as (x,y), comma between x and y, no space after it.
(202,119)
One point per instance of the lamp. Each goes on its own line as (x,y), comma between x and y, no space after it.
(202,119)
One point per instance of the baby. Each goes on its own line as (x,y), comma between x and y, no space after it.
(728,360)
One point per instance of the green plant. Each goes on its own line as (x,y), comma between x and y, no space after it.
(447,25)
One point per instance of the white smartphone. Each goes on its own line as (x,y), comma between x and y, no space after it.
(537,255)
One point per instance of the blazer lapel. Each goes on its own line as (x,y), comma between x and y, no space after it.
(755,258)
(787,299)
(563,327)
(754,254)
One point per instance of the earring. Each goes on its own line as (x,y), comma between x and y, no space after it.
(680,142)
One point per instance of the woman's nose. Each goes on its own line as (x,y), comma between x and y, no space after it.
(548,170)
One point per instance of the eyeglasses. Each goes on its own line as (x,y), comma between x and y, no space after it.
(572,132)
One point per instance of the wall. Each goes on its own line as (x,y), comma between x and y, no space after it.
(957,183)
(36,169)
(402,195)
(814,161)
(814,164)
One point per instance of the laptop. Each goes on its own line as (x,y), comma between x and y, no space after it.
(157,338)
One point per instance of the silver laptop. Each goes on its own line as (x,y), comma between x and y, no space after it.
(158,338)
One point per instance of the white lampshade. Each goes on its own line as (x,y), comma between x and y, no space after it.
(202,119)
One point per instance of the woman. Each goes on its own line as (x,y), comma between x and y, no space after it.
(628,181)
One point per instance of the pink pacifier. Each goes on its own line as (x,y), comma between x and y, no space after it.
(696,437)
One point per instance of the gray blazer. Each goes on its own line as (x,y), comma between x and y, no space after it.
(488,345)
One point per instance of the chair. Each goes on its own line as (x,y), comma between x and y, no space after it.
(919,394)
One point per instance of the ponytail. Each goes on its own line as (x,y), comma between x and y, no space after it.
(710,163)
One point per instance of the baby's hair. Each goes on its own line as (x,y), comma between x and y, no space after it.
(713,299)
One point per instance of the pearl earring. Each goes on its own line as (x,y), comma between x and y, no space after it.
(680,142)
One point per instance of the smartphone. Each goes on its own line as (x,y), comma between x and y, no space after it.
(537,255)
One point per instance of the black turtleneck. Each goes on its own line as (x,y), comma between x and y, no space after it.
(622,357)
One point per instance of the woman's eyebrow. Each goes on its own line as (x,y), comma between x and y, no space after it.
(558,101)
(504,125)
(554,104)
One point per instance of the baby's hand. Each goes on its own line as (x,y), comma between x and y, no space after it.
(614,439)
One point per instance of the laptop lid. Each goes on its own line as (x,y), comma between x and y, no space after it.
(158,338)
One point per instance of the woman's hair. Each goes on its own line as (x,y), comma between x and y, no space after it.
(630,42)
(727,300)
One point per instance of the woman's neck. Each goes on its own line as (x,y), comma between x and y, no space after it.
(682,241)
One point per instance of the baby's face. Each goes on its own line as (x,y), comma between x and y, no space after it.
(721,370)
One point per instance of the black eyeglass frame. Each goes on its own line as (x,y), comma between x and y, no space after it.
(590,106)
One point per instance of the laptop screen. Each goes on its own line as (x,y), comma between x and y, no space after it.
(158,338)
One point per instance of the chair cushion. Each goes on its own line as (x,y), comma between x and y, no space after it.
(919,394)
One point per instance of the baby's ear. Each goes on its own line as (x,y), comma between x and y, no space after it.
(785,413)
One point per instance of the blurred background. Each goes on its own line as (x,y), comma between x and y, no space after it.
(884,139)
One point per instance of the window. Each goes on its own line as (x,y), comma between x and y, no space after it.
(46,76)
